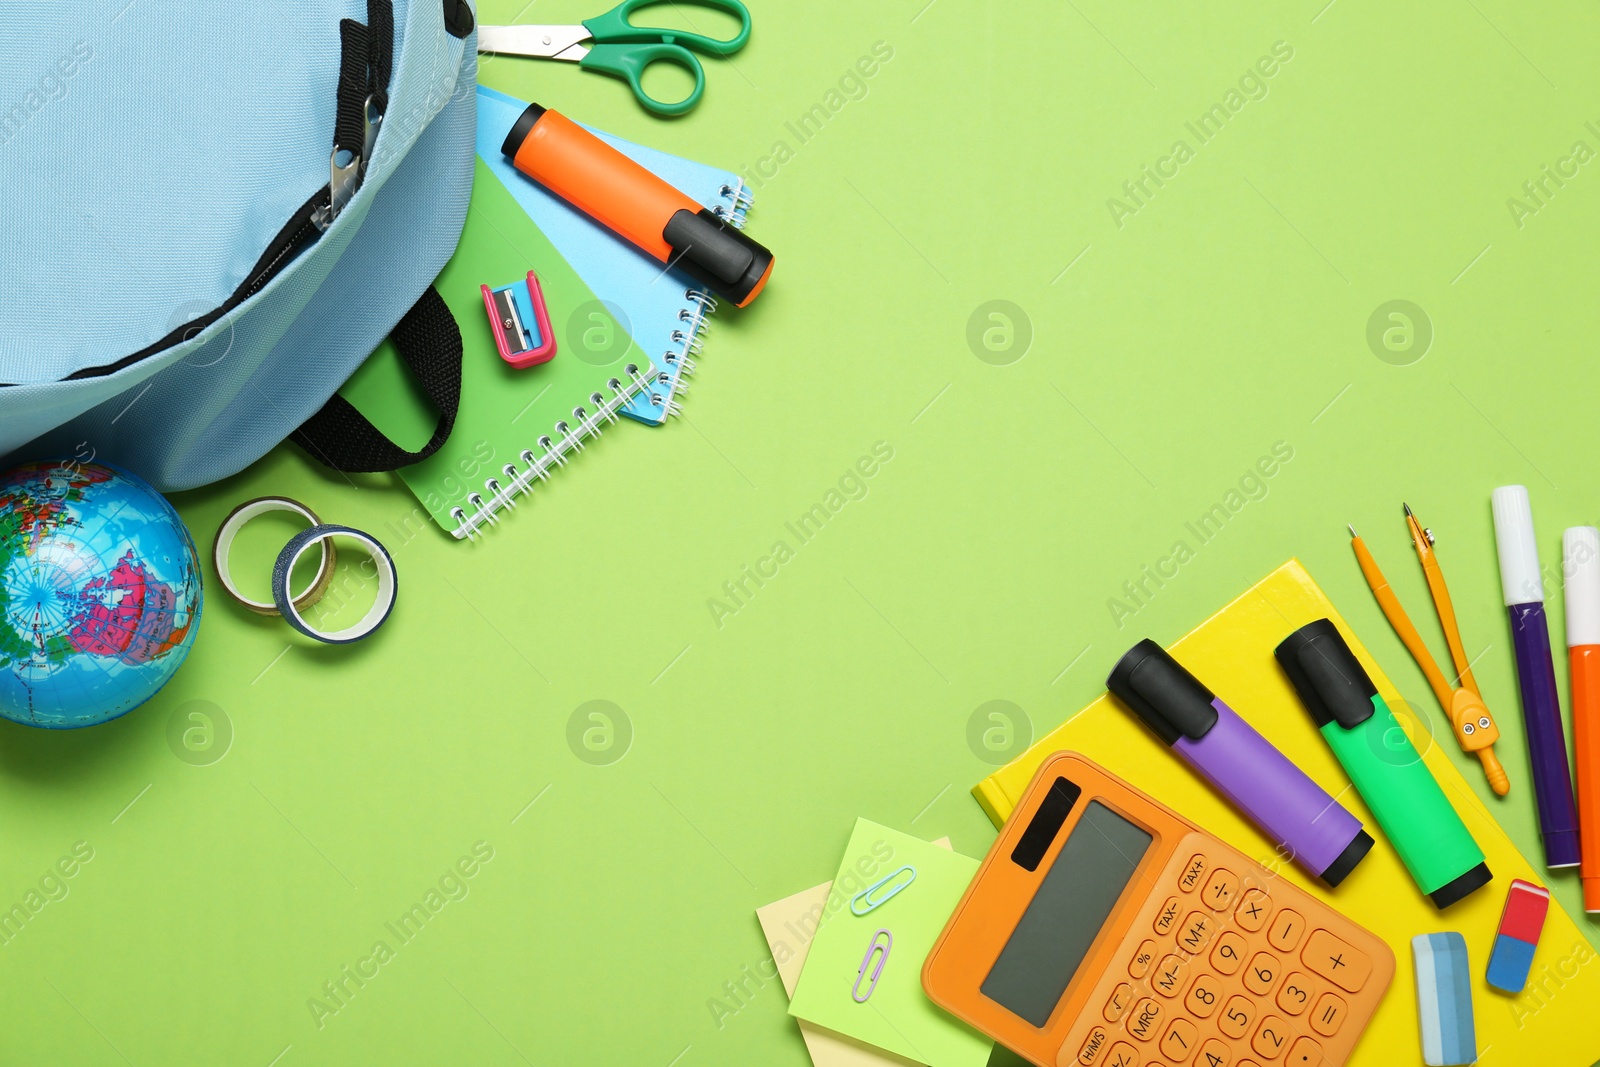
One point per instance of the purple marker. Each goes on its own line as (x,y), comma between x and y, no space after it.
(1523,586)
(1239,763)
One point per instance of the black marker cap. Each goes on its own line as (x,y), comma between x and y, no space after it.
(1169,699)
(520,130)
(1353,853)
(1330,680)
(718,254)
(1461,886)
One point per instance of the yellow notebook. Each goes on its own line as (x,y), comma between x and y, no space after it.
(1552,1022)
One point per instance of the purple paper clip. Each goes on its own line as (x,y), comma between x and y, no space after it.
(881,948)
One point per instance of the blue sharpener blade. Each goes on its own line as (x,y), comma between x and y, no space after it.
(523,300)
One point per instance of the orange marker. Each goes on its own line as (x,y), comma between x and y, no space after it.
(1581,556)
(635,204)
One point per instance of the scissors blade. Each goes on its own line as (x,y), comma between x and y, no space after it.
(544,42)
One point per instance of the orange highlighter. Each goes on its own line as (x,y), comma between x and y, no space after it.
(635,204)
(1581,558)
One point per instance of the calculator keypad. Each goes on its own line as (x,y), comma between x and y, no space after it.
(1232,970)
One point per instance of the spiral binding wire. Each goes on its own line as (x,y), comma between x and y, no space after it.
(568,440)
(739,201)
(677,362)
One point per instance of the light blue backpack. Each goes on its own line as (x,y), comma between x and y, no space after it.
(212,213)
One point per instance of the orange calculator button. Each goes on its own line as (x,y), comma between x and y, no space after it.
(1304,1053)
(1287,930)
(1221,890)
(1228,955)
(1214,1054)
(1121,997)
(1139,966)
(1295,994)
(1195,870)
(1237,1015)
(1203,996)
(1098,1042)
(1142,1021)
(1169,975)
(1271,1037)
(1337,960)
(1253,909)
(1327,1014)
(1178,1043)
(1260,974)
(1167,917)
(1196,931)
(1122,1054)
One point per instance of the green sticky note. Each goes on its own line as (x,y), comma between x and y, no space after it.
(897,1016)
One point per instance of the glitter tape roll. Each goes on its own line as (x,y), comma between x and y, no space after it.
(322,534)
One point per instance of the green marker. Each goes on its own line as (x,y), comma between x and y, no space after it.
(1433,843)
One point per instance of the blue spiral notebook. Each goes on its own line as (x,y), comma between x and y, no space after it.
(665,310)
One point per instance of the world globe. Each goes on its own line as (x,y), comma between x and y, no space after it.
(99,593)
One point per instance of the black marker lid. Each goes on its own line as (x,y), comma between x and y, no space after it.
(1169,699)
(1330,680)
(1353,853)
(1461,886)
(520,130)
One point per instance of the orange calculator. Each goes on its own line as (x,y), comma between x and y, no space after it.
(1106,930)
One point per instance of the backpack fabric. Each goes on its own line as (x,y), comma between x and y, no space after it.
(180,287)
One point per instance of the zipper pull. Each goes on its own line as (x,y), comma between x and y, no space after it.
(344,180)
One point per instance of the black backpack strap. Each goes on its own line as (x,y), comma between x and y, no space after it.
(429,343)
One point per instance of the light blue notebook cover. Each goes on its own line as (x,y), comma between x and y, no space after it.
(666,311)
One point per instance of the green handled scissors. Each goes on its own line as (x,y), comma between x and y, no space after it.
(621,49)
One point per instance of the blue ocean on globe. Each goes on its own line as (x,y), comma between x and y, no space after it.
(100,593)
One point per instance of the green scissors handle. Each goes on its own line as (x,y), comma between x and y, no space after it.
(628,62)
(625,51)
(614,27)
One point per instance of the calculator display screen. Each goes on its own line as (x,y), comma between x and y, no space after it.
(1073,901)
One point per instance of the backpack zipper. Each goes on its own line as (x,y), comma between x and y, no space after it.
(365,56)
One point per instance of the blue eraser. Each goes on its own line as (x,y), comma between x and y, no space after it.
(1444,999)
(1509,963)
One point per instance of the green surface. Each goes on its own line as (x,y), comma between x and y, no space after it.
(1007,505)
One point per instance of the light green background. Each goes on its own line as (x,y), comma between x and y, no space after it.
(1166,357)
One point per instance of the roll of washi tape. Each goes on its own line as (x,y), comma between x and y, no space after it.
(301,543)
(236,520)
